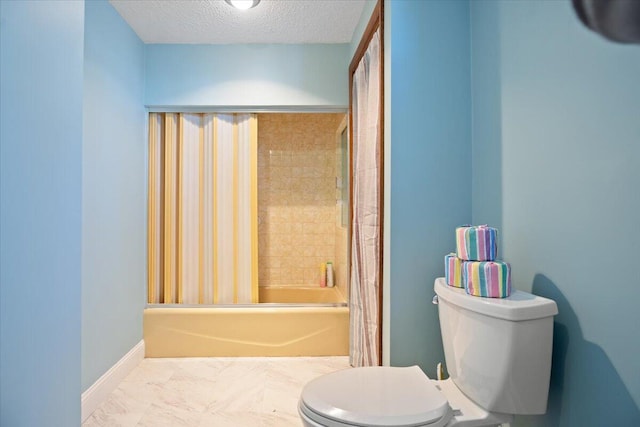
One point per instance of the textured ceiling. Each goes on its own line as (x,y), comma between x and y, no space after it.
(215,22)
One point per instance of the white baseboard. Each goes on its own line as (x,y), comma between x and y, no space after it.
(100,390)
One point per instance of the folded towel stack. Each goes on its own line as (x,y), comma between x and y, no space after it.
(474,266)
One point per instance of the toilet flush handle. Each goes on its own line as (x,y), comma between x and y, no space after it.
(435,300)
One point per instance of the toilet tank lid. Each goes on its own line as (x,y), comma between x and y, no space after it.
(516,307)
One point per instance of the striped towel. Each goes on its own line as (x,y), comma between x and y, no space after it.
(453,270)
(476,243)
(490,279)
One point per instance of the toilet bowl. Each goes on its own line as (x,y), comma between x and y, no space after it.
(498,353)
(380,396)
(390,397)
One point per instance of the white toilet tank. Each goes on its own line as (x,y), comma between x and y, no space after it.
(498,350)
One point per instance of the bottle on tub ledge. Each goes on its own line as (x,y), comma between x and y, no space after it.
(323,275)
(330,274)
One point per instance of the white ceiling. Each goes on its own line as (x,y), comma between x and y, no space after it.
(215,22)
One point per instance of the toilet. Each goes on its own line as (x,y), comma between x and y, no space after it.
(497,352)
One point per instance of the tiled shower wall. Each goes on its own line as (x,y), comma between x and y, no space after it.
(297,210)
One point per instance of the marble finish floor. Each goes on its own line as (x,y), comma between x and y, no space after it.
(220,392)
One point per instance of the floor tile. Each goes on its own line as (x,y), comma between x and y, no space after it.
(220,392)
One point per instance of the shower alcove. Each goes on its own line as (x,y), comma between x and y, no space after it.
(296,219)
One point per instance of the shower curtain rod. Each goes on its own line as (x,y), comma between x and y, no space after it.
(247,109)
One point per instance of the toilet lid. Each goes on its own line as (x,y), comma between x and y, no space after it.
(377,396)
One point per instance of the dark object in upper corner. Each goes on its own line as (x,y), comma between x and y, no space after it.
(617,20)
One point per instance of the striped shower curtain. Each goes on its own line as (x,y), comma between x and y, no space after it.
(366,227)
(202,214)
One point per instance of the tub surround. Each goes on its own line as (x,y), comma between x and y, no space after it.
(297,209)
(298,221)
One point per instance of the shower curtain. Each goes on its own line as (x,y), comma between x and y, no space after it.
(203,230)
(366,226)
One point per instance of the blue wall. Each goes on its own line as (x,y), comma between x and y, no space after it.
(430,164)
(556,140)
(367,10)
(247,75)
(41,45)
(114,191)
(486,117)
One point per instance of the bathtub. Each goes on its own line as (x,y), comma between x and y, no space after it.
(289,321)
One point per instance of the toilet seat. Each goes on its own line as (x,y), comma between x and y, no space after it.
(374,397)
